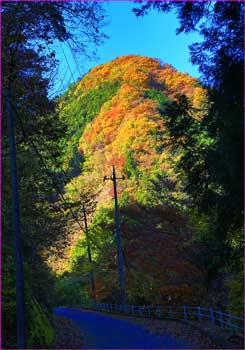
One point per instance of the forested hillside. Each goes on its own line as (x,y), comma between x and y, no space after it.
(122,113)
(175,143)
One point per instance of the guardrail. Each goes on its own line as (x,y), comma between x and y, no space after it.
(216,317)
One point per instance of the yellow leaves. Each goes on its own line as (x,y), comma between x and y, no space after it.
(132,69)
(200,101)
(129,121)
(177,82)
(143,72)
(107,126)
(126,95)
(139,72)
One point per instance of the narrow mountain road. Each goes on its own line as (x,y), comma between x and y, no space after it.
(105,332)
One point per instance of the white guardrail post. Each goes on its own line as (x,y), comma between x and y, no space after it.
(170,312)
(132,309)
(149,311)
(199,313)
(185,314)
(140,311)
(158,312)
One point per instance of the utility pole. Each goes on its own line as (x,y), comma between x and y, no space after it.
(114,179)
(20,302)
(91,273)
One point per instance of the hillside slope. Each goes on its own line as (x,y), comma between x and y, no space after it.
(116,115)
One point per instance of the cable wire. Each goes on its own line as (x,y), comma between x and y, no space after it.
(68,65)
(56,187)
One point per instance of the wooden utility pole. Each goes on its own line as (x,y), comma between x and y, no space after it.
(114,179)
(20,303)
(91,273)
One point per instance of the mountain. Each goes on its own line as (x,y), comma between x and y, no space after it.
(117,115)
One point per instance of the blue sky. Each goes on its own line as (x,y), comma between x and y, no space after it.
(152,35)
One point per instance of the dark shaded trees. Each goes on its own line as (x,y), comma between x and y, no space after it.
(213,146)
(29,30)
(220,60)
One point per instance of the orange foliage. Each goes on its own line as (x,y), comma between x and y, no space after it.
(131,123)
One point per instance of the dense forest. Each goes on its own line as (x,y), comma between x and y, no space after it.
(176,141)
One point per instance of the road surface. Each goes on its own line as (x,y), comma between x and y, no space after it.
(102,331)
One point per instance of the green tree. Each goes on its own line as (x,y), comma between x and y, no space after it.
(29,30)
(219,170)
(212,160)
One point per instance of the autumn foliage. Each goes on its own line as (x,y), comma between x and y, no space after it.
(120,120)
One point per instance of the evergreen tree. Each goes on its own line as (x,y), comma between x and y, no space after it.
(217,182)
(29,29)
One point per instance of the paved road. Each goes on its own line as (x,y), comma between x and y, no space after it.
(105,332)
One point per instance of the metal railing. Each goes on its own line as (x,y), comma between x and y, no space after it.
(216,317)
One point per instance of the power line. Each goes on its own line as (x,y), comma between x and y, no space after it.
(64,175)
(62,84)
(68,65)
(57,70)
(74,58)
(74,215)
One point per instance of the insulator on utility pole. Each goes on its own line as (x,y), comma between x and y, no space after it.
(91,273)
(20,301)
(114,179)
